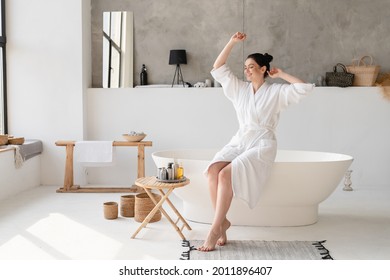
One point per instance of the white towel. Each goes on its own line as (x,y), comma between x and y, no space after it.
(94,153)
(18,159)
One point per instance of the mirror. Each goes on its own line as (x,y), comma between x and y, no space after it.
(117,63)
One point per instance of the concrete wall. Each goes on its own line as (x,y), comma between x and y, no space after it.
(306,37)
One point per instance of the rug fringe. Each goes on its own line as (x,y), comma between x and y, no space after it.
(186,254)
(323,251)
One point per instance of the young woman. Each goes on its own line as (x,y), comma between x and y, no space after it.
(243,166)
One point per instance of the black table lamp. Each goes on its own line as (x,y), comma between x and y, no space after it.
(178,57)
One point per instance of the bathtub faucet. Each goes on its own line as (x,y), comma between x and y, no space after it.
(347,181)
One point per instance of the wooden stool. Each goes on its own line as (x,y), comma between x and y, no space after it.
(151,183)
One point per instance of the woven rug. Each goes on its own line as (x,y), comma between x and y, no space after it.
(258,250)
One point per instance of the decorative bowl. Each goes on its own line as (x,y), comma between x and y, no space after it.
(134,138)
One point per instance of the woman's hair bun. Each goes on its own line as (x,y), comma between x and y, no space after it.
(262,60)
(268,57)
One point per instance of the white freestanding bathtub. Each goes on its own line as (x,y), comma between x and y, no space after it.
(299,181)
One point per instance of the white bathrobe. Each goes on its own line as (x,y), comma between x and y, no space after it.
(252,149)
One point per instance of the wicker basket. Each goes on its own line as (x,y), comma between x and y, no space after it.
(16,141)
(110,210)
(383,82)
(127,205)
(385,92)
(3,139)
(365,74)
(144,205)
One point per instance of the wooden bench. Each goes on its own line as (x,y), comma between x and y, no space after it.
(69,180)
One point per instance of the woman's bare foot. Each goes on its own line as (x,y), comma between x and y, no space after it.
(210,242)
(223,239)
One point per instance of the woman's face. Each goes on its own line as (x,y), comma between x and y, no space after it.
(253,71)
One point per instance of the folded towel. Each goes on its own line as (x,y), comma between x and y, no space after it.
(94,153)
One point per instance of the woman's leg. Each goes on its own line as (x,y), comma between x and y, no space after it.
(223,197)
(212,176)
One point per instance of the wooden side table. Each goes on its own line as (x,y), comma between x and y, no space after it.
(151,183)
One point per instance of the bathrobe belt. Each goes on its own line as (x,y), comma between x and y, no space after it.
(257,127)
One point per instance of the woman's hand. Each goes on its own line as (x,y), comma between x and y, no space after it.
(238,37)
(275,73)
(223,56)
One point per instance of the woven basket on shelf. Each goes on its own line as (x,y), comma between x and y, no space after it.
(365,74)
(144,205)
(383,82)
(16,141)
(3,139)
(127,205)
(385,92)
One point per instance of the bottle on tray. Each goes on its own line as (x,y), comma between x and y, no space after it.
(173,171)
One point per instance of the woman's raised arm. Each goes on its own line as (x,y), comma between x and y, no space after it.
(278,73)
(223,56)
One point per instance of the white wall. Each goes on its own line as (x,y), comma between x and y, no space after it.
(351,121)
(14,180)
(171,118)
(46,79)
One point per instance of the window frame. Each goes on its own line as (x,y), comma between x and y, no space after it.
(3,90)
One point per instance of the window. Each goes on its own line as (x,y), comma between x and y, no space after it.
(112,49)
(3,73)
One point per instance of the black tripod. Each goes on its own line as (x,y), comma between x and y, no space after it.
(179,75)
